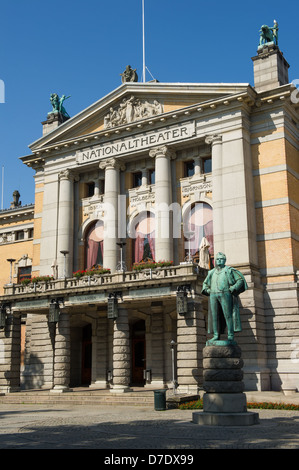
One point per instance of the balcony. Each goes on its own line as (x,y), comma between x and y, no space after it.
(161,282)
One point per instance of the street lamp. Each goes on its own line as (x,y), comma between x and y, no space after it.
(172,345)
(64,253)
(189,235)
(10,260)
(121,266)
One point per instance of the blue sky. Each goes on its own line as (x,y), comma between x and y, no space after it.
(79,48)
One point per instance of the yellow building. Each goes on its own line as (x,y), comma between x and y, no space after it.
(148,184)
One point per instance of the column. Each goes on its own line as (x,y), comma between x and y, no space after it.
(216,148)
(112,168)
(62,354)
(10,354)
(100,354)
(163,200)
(121,353)
(157,347)
(65,221)
(197,166)
(191,338)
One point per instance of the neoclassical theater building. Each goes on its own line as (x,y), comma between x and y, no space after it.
(101,277)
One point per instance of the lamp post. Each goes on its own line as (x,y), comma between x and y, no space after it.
(172,345)
(189,235)
(121,266)
(10,260)
(64,253)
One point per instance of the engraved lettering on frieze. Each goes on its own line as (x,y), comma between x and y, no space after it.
(131,110)
(190,188)
(145,196)
(135,143)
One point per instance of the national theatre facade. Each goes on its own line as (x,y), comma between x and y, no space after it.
(101,278)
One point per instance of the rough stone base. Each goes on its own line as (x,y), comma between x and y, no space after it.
(225,419)
(225,403)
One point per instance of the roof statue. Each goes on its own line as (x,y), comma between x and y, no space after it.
(268,36)
(57,104)
(16,200)
(129,75)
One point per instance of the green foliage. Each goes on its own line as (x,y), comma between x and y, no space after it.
(91,272)
(151,264)
(198,405)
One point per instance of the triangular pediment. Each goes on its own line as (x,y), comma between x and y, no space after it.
(135,102)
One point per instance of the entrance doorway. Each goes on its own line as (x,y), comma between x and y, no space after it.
(138,353)
(86,355)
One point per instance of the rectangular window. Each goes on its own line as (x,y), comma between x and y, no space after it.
(152,176)
(90,189)
(207,165)
(20,235)
(189,169)
(24,273)
(137,179)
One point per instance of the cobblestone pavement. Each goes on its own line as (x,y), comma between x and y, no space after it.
(124,427)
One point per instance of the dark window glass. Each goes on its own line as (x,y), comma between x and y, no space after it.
(152,175)
(24,273)
(207,165)
(90,189)
(189,169)
(137,179)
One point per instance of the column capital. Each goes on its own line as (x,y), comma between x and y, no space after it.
(112,163)
(213,139)
(68,175)
(162,151)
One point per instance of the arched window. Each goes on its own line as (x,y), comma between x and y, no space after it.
(94,245)
(144,243)
(198,231)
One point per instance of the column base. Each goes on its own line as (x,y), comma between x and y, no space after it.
(120,389)
(225,419)
(59,389)
(5,390)
(99,384)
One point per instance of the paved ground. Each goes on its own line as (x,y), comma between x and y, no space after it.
(116,428)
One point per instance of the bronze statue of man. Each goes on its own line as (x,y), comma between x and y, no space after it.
(223,284)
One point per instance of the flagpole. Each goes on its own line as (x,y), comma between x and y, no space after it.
(143,34)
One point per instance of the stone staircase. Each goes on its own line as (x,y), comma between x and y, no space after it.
(79,397)
(85,396)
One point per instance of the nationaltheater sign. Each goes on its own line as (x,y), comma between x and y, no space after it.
(127,145)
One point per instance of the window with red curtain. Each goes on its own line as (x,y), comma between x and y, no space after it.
(198,223)
(94,245)
(144,243)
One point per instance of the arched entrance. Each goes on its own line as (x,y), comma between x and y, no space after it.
(138,353)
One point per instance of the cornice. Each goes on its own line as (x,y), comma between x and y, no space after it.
(245,98)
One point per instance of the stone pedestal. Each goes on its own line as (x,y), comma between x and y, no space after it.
(224,403)
(270,68)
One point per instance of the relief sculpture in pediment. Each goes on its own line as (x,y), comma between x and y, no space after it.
(130,110)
